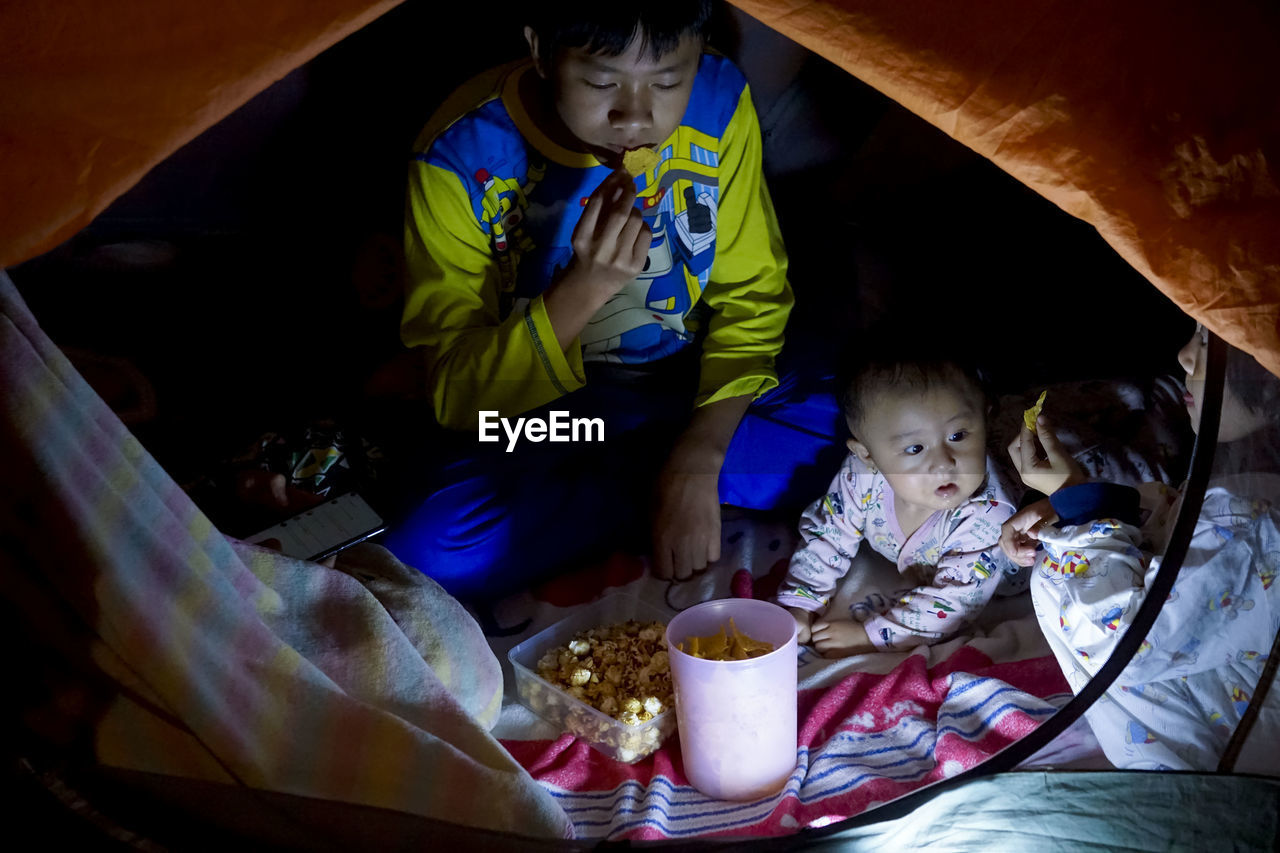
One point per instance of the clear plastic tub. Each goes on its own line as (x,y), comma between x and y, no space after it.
(610,736)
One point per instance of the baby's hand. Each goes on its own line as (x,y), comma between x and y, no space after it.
(803,618)
(841,638)
(1020,535)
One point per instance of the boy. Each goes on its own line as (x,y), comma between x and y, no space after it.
(919,487)
(543,277)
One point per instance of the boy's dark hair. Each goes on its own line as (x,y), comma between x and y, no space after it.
(607,28)
(899,362)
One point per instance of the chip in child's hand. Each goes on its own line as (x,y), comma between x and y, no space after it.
(1030,415)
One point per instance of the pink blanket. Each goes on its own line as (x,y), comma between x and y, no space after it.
(864,738)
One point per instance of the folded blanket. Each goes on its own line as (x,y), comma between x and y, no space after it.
(155,643)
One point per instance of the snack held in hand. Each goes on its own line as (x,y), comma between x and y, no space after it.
(1030,415)
(637,161)
(620,670)
(723,646)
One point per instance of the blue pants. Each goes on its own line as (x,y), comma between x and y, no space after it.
(495,521)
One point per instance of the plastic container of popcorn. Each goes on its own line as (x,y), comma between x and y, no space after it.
(738,717)
(609,735)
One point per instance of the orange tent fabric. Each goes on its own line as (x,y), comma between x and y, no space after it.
(93,95)
(1158,123)
(1155,122)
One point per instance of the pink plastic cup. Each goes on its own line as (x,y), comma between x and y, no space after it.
(737,719)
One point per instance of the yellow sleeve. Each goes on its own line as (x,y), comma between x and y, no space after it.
(475,359)
(747,292)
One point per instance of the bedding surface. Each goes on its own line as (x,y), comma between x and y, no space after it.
(871,728)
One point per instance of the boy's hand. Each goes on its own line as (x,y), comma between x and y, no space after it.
(686,518)
(840,638)
(1041,461)
(1020,535)
(803,619)
(686,524)
(272,491)
(611,240)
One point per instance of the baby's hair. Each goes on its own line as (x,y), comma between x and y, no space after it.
(608,28)
(898,363)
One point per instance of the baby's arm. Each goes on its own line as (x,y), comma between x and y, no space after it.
(933,612)
(830,530)
(840,638)
(963,582)
(803,619)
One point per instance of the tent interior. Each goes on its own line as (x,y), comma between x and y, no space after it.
(243,278)
(881,213)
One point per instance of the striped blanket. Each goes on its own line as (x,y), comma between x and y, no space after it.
(870,728)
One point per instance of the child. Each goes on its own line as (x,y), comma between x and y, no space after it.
(919,486)
(544,278)
(1177,703)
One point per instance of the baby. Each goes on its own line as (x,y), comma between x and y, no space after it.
(919,485)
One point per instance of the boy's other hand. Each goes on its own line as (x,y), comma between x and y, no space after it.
(686,521)
(686,524)
(1020,535)
(803,619)
(840,638)
(270,490)
(1041,462)
(611,239)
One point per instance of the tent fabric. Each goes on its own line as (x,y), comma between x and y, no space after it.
(1156,123)
(1108,810)
(93,95)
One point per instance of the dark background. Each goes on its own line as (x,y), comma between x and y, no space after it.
(251,278)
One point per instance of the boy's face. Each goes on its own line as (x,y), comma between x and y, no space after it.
(930,446)
(612,103)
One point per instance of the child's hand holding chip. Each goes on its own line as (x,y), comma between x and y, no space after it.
(1041,462)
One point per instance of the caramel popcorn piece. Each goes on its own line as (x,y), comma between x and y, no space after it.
(620,670)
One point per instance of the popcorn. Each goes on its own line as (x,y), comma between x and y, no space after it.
(621,670)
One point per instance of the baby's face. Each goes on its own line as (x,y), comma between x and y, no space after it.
(613,103)
(931,446)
